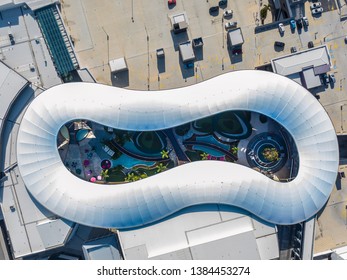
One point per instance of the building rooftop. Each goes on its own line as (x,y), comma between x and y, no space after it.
(203,232)
(118,65)
(11,83)
(146,201)
(186,51)
(106,248)
(235,37)
(32,4)
(296,62)
(29,55)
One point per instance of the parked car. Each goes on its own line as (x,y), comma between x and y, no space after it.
(213,9)
(325,78)
(228,13)
(346,40)
(317,11)
(310,45)
(315,5)
(231,24)
(292,24)
(293,50)
(299,23)
(171,2)
(281,28)
(11,37)
(279,44)
(223,3)
(305,21)
(332,78)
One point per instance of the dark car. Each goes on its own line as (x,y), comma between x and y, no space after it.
(293,50)
(213,9)
(332,78)
(299,23)
(325,79)
(223,3)
(310,45)
(279,44)
(10,36)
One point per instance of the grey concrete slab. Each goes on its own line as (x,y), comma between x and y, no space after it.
(331,224)
(152,19)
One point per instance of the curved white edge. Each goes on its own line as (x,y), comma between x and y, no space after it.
(142,202)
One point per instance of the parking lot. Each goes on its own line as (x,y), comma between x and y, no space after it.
(136,29)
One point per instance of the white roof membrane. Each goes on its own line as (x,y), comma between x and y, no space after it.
(151,199)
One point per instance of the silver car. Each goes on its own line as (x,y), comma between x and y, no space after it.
(281,28)
(305,21)
(228,13)
(315,5)
(231,24)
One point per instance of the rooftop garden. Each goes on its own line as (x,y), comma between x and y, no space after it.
(106,155)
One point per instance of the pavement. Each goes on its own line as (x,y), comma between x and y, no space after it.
(331,224)
(128,38)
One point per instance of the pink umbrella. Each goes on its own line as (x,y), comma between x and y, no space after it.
(93,179)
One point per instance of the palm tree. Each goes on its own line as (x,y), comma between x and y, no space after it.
(104,174)
(263,12)
(271,154)
(130,177)
(161,167)
(164,154)
(234,150)
(204,156)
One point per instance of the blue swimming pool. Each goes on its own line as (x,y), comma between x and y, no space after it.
(129,162)
(130,146)
(81,134)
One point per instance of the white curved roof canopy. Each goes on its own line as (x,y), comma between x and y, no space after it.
(151,199)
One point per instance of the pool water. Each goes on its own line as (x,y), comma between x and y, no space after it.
(130,146)
(129,162)
(81,134)
(211,140)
